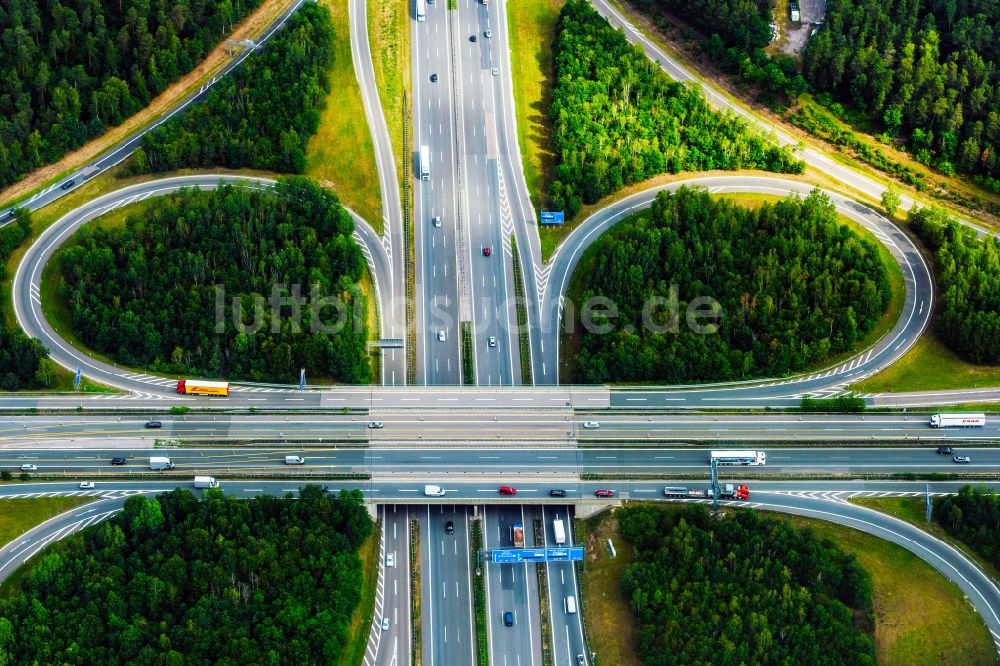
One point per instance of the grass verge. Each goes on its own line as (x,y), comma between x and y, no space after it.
(542,577)
(367,287)
(930,366)
(389,36)
(418,645)
(468,358)
(533,26)
(341,156)
(523,342)
(364,613)
(479,595)
(571,341)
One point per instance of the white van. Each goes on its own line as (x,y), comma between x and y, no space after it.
(433,491)
(295,460)
(569,603)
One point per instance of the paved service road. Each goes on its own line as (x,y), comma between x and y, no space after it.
(446,599)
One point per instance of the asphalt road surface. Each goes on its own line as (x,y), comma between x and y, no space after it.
(446,601)
(567,628)
(392,646)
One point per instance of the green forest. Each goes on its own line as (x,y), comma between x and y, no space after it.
(618,119)
(973,516)
(968,285)
(794,285)
(145,292)
(261,114)
(922,69)
(23,360)
(747,589)
(176,581)
(742,24)
(69,69)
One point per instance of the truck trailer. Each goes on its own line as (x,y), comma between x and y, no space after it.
(205,482)
(160,463)
(957,420)
(199,387)
(425,163)
(517,535)
(726,491)
(560,531)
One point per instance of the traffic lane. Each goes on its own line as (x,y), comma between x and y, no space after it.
(510,589)
(395,644)
(451,585)
(567,630)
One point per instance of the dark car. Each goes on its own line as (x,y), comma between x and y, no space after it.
(557,492)
(944,451)
(604,493)
(11,213)
(68,184)
(119,461)
(449,527)
(508,619)
(153,424)
(434,78)
(473,38)
(487,251)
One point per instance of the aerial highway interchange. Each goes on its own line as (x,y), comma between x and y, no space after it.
(505,429)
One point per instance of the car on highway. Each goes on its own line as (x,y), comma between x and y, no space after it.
(557,492)
(437,221)
(488,33)
(375,425)
(495,71)
(434,78)
(442,336)
(591,425)
(580,661)
(295,460)
(11,213)
(28,467)
(491,341)
(119,460)
(604,492)
(390,559)
(944,450)
(385,624)
(449,527)
(961,459)
(508,490)
(487,251)
(87,485)
(433,491)
(473,38)
(68,184)
(153,424)
(508,619)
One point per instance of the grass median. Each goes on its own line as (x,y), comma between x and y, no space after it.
(389,37)
(930,366)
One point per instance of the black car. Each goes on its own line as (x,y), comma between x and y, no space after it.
(434,78)
(11,213)
(508,619)
(68,184)
(119,461)
(944,451)
(473,38)
(449,527)
(153,424)
(557,492)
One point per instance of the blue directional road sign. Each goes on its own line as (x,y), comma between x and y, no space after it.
(518,555)
(553,217)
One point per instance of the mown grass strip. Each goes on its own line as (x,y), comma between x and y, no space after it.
(523,342)
(479,595)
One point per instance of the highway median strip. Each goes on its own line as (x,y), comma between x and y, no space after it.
(479,595)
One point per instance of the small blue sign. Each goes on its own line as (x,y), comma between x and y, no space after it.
(553,217)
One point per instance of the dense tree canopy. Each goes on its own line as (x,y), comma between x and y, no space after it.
(968,276)
(69,69)
(263,113)
(973,515)
(618,119)
(146,292)
(793,283)
(926,68)
(743,24)
(744,590)
(21,357)
(172,580)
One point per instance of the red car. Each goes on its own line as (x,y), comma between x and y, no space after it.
(487,251)
(604,493)
(508,490)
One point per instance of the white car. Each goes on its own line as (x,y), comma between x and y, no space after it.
(28,467)
(591,425)
(495,71)
(442,336)
(390,559)
(375,425)
(437,221)
(87,485)
(433,491)
(492,341)
(488,33)
(385,624)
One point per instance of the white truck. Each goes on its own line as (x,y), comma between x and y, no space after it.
(295,460)
(205,482)
(560,531)
(421,10)
(425,163)
(957,420)
(158,463)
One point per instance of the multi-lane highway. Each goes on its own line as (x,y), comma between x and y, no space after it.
(445,575)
